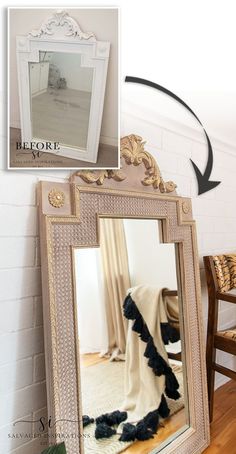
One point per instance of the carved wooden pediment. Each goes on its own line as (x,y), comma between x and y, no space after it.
(132,153)
(61,19)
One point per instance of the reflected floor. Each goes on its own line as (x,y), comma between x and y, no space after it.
(90,361)
(62,115)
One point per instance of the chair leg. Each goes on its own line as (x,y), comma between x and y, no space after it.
(213,306)
(211,352)
(211,383)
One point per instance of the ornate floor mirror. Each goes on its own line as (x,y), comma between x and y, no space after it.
(122,313)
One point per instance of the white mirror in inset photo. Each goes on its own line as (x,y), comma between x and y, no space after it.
(63,88)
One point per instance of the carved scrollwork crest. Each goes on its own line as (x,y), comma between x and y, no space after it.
(90,176)
(61,19)
(133,152)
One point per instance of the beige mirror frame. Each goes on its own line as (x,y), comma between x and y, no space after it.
(69,215)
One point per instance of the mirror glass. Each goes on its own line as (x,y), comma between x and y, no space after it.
(60,91)
(130,325)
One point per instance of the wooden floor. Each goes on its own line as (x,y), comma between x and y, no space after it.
(170,426)
(223,427)
(90,359)
(62,115)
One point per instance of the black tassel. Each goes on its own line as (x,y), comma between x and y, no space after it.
(171,381)
(152,420)
(172,394)
(138,325)
(130,309)
(150,350)
(155,360)
(171,386)
(143,432)
(104,431)
(101,419)
(169,333)
(174,334)
(157,365)
(87,420)
(168,369)
(128,432)
(164,333)
(163,408)
(145,335)
(119,416)
(114,418)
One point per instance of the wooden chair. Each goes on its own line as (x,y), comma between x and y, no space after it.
(221,286)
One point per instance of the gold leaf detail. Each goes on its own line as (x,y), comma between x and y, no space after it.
(133,152)
(99,177)
(56,198)
(117,175)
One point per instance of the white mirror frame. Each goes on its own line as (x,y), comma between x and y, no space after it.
(61,33)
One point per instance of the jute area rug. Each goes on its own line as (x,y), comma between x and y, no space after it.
(102,392)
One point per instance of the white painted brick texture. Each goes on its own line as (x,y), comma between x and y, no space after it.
(22,369)
(22,372)
(214,211)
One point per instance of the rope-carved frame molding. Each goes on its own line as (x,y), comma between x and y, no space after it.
(69,218)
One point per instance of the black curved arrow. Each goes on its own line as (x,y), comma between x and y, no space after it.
(204,184)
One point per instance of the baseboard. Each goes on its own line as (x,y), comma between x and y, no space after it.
(15,124)
(112,141)
(89,350)
(220,380)
(74,154)
(39,93)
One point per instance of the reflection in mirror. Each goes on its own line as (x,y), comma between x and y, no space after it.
(60,89)
(130,329)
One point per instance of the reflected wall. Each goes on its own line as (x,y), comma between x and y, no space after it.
(60,92)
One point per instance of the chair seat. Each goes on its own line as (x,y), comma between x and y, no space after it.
(229,333)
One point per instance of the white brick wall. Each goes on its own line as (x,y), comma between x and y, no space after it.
(173,145)
(22,370)
(22,374)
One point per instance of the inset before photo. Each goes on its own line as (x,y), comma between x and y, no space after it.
(63,88)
